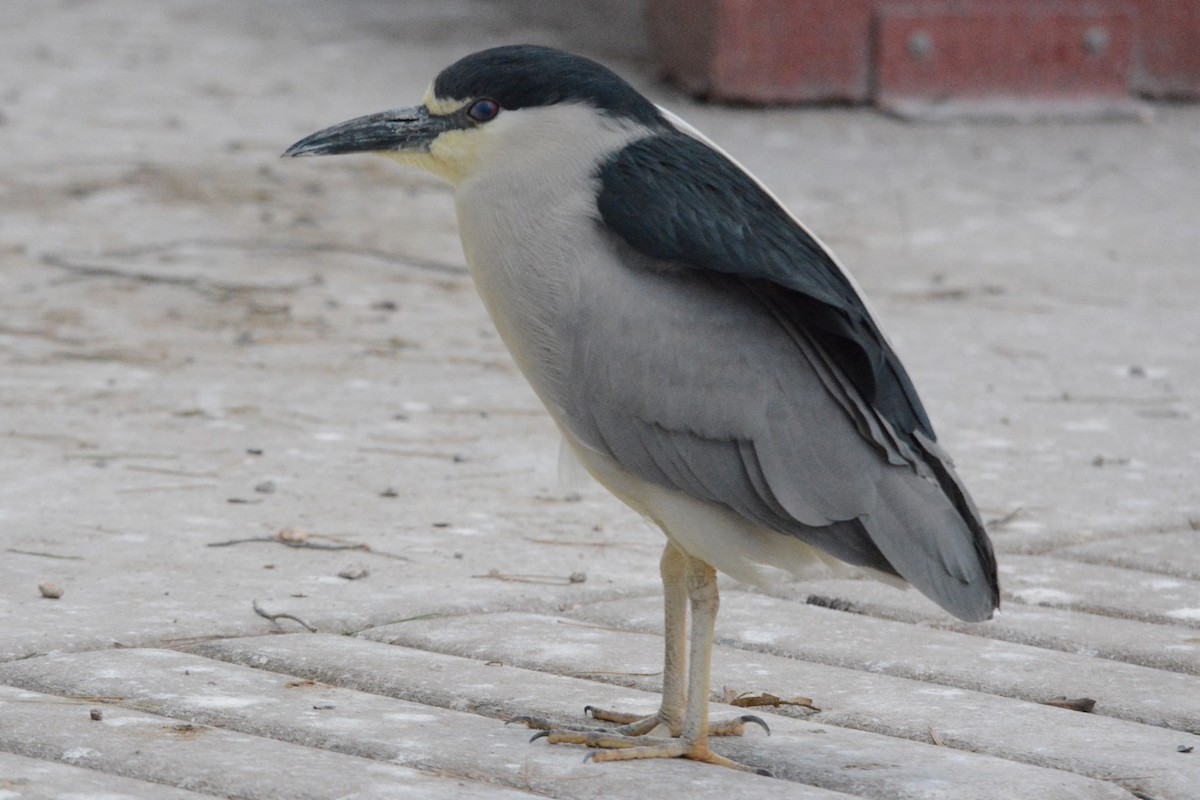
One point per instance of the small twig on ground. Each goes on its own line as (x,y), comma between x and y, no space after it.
(41,554)
(747,700)
(1084,704)
(585,543)
(181,473)
(299,539)
(305,247)
(276,540)
(585,672)
(195,283)
(276,617)
(549,580)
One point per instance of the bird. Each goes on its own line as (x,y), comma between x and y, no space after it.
(705,357)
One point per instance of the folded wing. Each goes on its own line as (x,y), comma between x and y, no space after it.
(743,368)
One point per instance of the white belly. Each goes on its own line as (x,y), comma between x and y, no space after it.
(712,533)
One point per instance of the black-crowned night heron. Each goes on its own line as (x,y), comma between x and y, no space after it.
(704,356)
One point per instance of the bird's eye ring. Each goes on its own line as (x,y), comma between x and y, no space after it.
(483,110)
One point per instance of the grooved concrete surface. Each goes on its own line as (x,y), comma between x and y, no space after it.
(230,382)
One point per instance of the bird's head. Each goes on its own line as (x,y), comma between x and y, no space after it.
(491,106)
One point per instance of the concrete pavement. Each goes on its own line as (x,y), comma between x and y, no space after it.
(230,383)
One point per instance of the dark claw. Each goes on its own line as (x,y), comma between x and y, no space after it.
(587,710)
(756,720)
(764,772)
(588,756)
(539,735)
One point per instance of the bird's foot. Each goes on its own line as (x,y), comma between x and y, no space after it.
(630,741)
(634,725)
(611,746)
(544,724)
(631,725)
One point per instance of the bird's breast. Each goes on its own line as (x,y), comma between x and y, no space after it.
(526,251)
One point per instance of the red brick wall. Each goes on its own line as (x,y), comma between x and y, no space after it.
(772,51)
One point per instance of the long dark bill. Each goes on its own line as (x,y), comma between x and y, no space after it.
(398,130)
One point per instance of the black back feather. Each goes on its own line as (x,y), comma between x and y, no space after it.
(673,198)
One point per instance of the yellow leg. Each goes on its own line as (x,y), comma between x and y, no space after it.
(699,586)
(673,568)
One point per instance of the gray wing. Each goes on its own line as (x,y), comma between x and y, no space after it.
(758,380)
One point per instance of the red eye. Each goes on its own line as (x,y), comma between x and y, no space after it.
(483,110)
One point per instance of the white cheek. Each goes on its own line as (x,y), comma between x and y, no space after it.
(455,153)
(423,161)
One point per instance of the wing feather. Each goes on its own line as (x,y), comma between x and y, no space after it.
(729,357)
(659,194)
